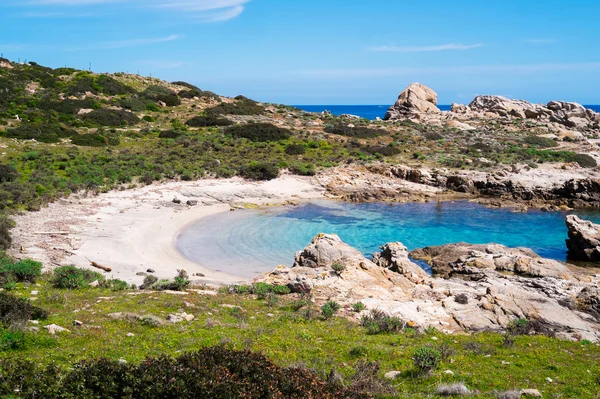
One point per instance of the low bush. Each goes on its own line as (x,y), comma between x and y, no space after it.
(15,311)
(159,93)
(93,140)
(386,151)
(357,131)
(338,268)
(71,277)
(44,132)
(209,373)
(169,134)
(115,285)
(329,309)
(180,283)
(259,132)
(541,142)
(358,307)
(585,161)
(295,149)
(8,173)
(25,270)
(111,118)
(426,359)
(433,136)
(259,171)
(205,121)
(377,322)
(6,224)
(244,107)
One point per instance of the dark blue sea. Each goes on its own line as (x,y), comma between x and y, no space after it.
(373,111)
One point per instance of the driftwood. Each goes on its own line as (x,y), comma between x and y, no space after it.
(61,233)
(98,266)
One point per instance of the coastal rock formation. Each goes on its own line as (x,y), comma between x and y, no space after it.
(584,239)
(480,288)
(473,261)
(414,100)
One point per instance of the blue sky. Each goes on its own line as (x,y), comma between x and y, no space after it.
(323,51)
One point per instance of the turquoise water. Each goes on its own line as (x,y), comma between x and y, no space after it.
(249,242)
(374,111)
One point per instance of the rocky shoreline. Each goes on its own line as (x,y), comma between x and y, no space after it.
(473,287)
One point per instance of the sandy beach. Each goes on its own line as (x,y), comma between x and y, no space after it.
(132,231)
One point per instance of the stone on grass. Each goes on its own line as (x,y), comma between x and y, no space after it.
(392,375)
(530,393)
(53,329)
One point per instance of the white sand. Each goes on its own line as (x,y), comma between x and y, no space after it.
(134,230)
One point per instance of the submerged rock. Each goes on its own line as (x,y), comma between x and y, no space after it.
(499,284)
(584,239)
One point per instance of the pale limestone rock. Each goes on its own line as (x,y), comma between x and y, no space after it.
(584,239)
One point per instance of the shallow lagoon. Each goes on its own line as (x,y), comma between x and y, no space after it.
(250,242)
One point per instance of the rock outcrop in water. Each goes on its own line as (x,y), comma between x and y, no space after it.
(481,287)
(416,99)
(584,239)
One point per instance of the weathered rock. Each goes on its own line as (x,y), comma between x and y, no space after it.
(588,300)
(54,329)
(584,239)
(534,288)
(473,261)
(531,393)
(394,256)
(415,99)
(454,124)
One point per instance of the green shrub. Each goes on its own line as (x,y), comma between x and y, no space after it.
(433,136)
(357,131)
(386,151)
(169,134)
(115,285)
(338,268)
(44,132)
(358,307)
(149,281)
(259,132)
(25,270)
(93,140)
(377,322)
(111,118)
(209,373)
(329,309)
(15,312)
(541,142)
(11,340)
(259,171)
(244,107)
(206,121)
(6,224)
(8,174)
(71,277)
(295,149)
(426,359)
(159,93)
(585,161)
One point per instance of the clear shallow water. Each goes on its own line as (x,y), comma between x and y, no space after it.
(373,111)
(250,242)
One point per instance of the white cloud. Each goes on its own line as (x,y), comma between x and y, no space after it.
(419,49)
(201,10)
(127,43)
(467,69)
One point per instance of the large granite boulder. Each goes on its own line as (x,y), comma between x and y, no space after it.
(394,256)
(584,239)
(414,100)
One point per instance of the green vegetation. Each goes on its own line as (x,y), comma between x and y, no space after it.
(259,132)
(357,131)
(239,107)
(229,324)
(71,277)
(205,121)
